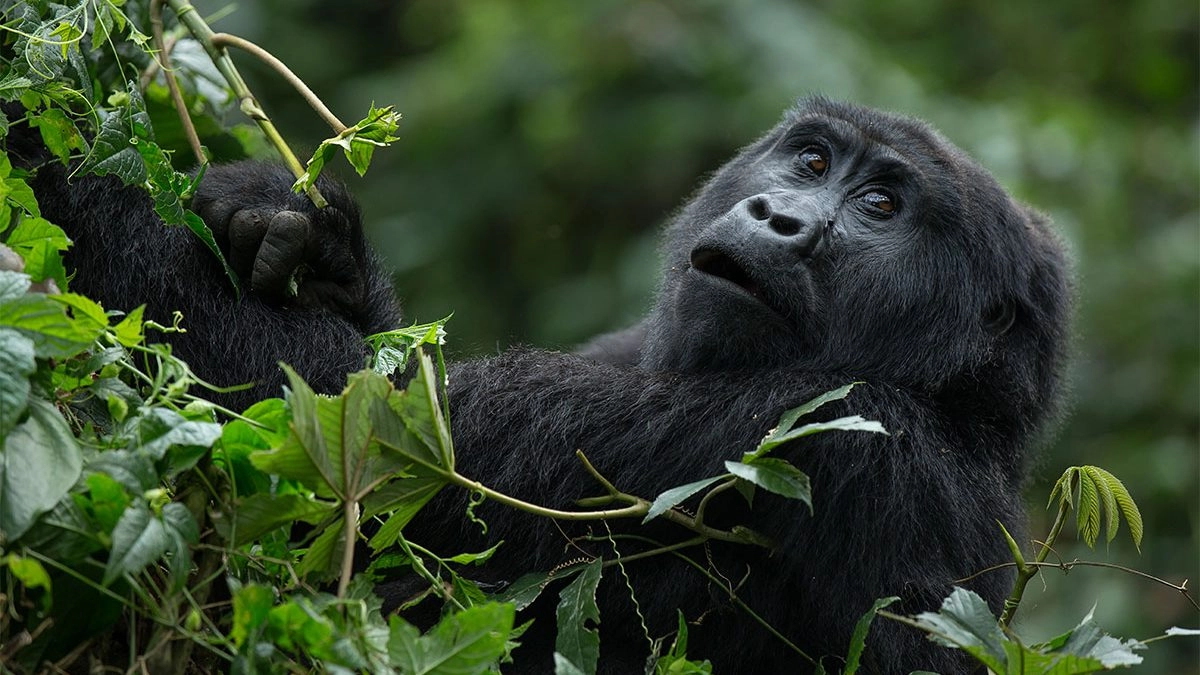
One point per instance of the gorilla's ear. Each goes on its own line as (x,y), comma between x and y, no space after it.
(999,317)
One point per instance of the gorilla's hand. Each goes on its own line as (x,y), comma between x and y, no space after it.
(283,248)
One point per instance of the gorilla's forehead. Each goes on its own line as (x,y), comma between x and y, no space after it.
(885,135)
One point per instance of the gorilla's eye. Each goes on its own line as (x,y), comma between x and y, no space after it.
(815,159)
(881,200)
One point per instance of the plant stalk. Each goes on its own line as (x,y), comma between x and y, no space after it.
(164,61)
(1027,571)
(200,30)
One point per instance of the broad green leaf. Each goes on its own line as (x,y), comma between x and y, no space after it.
(777,475)
(403,498)
(858,641)
(113,149)
(465,643)
(16,365)
(1087,641)
(851,423)
(158,429)
(562,666)
(965,622)
(182,530)
(129,331)
(106,500)
(44,321)
(34,230)
(412,422)
(260,513)
(675,496)
(323,559)
(44,261)
(522,592)
(139,539)
(251,605)
(59,133)
(40,462)
(576,641)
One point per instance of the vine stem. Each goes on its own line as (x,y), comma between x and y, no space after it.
(222,40)
(350,515)
(196,25)
(1026,571)
(164,62)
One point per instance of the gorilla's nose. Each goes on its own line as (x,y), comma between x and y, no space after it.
(789,218)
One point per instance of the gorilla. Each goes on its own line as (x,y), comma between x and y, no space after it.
(846,244)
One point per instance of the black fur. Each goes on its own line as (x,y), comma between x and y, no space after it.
(954,310)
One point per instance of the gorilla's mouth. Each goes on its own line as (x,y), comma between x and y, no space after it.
(715,263)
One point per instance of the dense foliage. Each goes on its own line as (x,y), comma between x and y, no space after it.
(130,507)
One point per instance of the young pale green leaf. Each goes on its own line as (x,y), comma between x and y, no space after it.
(675,496)
(576,641)
(465,643)
(1108,501)
(358,142)
(34,230)
(39,464)
(858,641)
(106,500)
(1125,502)
(965,622)
(776,475)
(44,261)
(139,539)
(16,365)
(1089,508)
(129,331)
(675,662)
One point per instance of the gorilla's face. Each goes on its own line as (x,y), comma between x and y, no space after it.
(846,237)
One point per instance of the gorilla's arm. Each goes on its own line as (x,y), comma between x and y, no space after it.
(124,257)
(888,509)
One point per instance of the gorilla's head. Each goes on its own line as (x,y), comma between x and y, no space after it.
(853,240)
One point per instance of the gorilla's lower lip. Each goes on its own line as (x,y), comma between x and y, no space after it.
(714,263)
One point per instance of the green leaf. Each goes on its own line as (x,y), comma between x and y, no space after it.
(260,513)
(323,559)
(1125,502)
(114,150)
(675,496)
(851,423)
(34,230)
(158,429)
(43,320)
(139,539)
(576,641)
(59,133)
(106,500)
(16,365)
(475,558)
(790,417)
(858,641)
(564,667)
(675,662)
(251,605)
(468,642)
(965,622)
(1089,509)
(522,592)
(777,475)
(13,285)
(129,331)
(1087,641)
(40,462)
(358,142)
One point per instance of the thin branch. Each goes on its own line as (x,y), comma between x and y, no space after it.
(1026,571)
(1067,566)
(164,60)
(190,18)
(222,40)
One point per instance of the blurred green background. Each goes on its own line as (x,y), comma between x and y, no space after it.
(545,141)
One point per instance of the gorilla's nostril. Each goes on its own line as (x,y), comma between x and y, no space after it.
(759,208)
(786,226)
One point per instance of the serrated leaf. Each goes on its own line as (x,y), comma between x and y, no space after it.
(675,496)
(1108,502)
(1089,509)
(39,464)
(129,331)
(1128,507)
(138,540)
(113,152)
(465,643)
(16,365)
(858,640)
(576,641)
(358,142)
(965,622)
(776,475)
(789,418)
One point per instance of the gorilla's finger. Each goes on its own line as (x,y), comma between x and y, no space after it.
(245,234)
(281,253)
(217,213)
